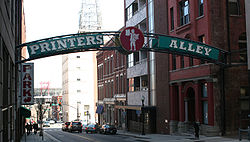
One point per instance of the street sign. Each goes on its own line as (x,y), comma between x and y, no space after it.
(64,44)
(185,46)
(27,83)
(132,39)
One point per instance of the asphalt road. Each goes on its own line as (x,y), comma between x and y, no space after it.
(58,135)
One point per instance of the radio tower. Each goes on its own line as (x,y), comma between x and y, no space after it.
(90,16)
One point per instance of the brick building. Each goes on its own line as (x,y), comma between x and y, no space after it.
(12,33)
(111,70)
(201,91)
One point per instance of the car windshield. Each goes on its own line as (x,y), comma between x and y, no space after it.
(91,125)
(76,123)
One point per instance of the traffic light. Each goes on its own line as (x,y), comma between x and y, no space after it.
(60,103)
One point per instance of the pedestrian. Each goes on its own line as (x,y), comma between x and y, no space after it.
(196,130)
(27,128)
(35,127)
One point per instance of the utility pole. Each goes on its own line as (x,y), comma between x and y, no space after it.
(41,119)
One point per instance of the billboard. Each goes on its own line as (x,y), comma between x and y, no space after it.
(27,83)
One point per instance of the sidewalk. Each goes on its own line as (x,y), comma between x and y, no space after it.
(36,138)
(176,138)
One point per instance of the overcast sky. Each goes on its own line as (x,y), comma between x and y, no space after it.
(48,18)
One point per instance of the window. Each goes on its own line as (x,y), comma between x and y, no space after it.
(130,60)
(201,7)
(117,85)
(202,40)
(131,84)
(243,47)
(137,83)
(205,112)
(129,12)
(172,18)
(234,7)
(78,56)
(182,62)
(122,86)
(191,61)
(173,62)
(144,82)
(78,91)
(204,90)
(184,12)
(78,79)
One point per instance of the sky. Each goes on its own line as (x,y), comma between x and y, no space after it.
(48,18)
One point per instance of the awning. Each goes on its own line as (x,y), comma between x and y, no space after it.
(25,112)
(99,109)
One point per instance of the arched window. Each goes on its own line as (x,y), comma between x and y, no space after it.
(242,42)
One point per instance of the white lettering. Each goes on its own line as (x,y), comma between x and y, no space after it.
(53,43)
(190,47)
(80,41)
(99,39)
(199,49)
(181,46)
(44,46)
(62,44)
(90,39)
(33,48)
(71,40)
(173,44)
(207,50)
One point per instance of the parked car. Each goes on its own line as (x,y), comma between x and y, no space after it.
(92,128)
(75,126)
(52,121)
(46,124)
(108,129)
(65,126)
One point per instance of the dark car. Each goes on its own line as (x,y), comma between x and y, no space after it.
(75,126)
(108,129)
(92,128)
(65,126)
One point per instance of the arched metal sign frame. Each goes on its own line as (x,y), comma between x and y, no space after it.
(94,41)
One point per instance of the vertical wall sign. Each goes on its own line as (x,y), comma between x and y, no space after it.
(27,83)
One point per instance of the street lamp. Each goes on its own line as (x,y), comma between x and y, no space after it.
(142,102)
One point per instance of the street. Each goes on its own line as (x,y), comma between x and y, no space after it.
(57,134)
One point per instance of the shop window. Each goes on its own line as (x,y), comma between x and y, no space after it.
(234,7)
(184,12)
(205,112)
(201,7)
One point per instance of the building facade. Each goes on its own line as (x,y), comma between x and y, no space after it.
(79,71)
(147,73)
(11,31)
(79,87)
(111,68)
(200,91)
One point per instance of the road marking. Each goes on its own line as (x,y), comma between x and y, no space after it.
(89,139)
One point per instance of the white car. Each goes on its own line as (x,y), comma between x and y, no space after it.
(46,124)
(52,121)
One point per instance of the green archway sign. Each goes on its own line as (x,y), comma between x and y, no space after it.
(93,41)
